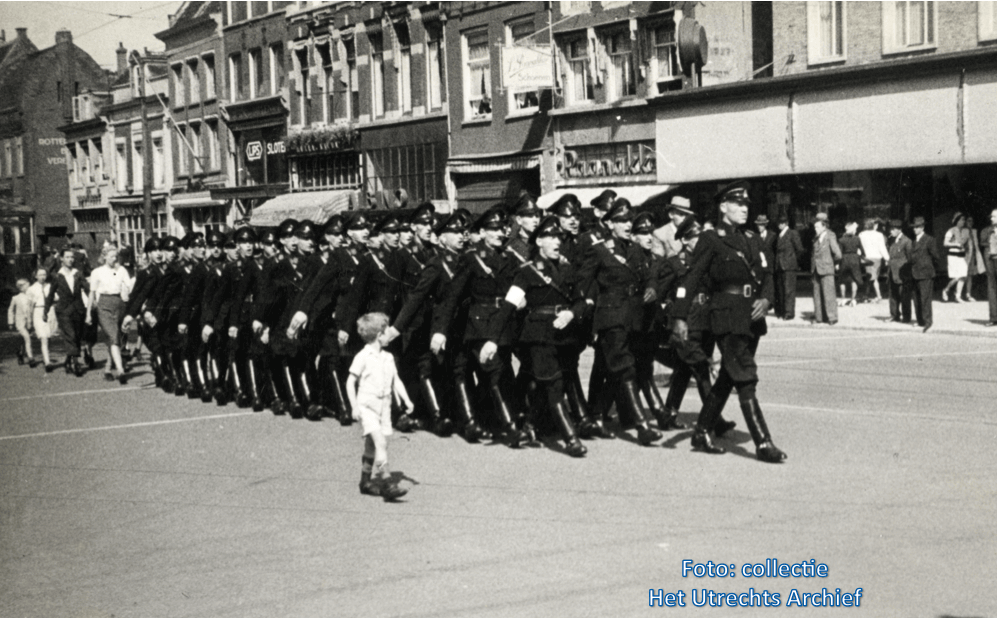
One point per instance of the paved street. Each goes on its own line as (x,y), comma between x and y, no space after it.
(126,502)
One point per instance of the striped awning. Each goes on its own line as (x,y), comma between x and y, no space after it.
(315,206)
(493,165)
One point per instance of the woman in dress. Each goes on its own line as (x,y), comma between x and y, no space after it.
(109,286)
(956,245)
(44,324)
(974,259)
(851,263)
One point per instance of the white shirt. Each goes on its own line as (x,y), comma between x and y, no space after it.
(110,281)
(874,245)
(70,275)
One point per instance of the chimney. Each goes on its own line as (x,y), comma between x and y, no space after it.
(122,58)
(63,36)
(22,33)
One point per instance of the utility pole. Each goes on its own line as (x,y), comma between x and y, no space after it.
(146,157)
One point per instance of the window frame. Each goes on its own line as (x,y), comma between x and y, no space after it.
(18,163)
(235,77)
(571,76)
(435,46)
(378,96)
(177,72)
(814,54)
(466,66)
(606,37)
(890,45)
(257,81)
(328,79)
(651,32)
(210,76)
(403,68)
(302,69)
(511,100)
(985,10)
(192,75)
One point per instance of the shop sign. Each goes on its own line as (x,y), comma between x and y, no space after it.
(264,152)
(617,159)
(527,68)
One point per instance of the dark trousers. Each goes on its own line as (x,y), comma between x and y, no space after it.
(992,288)
(923,289)
(900,293)
(825,299)
(785,294)
(71,325)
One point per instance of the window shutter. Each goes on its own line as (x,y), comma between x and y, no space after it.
(813,31)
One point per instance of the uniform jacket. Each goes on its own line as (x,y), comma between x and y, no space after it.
(924,258)
(729,266)
(900,266)
(673,276)
(164,301)
(212,303)
(426,302)
(788,249)
(145,282)
(547,288)
(374,289)
(482,278)
(826,253)
(985,235)
(614,279)
(193,293)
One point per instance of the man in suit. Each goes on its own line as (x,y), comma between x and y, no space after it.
(788,249)
(988,246)
(923,258)
(67,293)
(898,275)
(826,254)
(766,236)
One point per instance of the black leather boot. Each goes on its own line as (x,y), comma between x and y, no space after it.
(342,404)
(588,426)
(257,393)
(668,418)
(707,419)
(764,449)
(206,378)
(77,367)
(514,436)
(630,398)
(169,383)
(293,407)
(68,366)
(573,446)
(442,426)
(193,385)
(181,386)
(472,430)
(314,411)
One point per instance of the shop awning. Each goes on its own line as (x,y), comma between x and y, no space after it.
(316,206)
(201,199)
(636,194)
(493,165)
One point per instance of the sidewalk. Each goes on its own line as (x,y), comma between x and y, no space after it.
(949,318)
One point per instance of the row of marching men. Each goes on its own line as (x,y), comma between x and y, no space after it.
(274,323)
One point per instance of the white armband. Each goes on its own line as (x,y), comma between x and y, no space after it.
(515,296)
(680,293)
(764,263)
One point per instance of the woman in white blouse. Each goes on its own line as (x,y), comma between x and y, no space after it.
(44,324)
(109,287)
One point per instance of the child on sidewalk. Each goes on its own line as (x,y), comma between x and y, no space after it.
(372,383)
(19,316)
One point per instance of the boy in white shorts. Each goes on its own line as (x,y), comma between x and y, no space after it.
(371,386)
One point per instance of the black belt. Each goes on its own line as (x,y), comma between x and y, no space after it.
(957,253)
(738,290)
(549,309)
(488,302)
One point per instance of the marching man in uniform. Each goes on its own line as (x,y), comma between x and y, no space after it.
(731,267)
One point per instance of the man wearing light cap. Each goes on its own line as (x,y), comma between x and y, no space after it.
(679,210)
(731,267)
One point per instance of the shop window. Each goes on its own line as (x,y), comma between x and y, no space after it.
(209,76)
(622,82)
(580,88)
(987,16)
(825,31)
(418,169)
(377,73)
(434,66)
(403,69)
(193,82)
(521,33)
(665,60)
(477,75)
(909,25)
(325,55)
(236,83)
(277,70)
(257,83)
(176,76)
(15,235)
(329,171)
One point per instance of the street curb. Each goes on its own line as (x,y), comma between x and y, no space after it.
(989,333)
